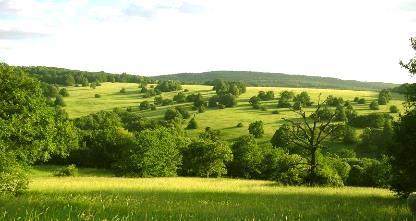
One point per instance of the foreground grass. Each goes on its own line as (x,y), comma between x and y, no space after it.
(110,198)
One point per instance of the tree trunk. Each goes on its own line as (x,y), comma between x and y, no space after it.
(312,169)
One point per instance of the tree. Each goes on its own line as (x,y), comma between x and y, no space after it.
(282,136)
(374,105)
(158,100)
(403,149)
(64,92)
(229,100)
(192,124)
(180,97)
(30,130)
(310,135)
(213,101)
(171,114)
(285,98)
(303,99)
(254,101)
(59,101)
(206,158)
(248,157)
(144,105)
(166,86)
(155,153)
(384,97)
(394,109)
(256,129)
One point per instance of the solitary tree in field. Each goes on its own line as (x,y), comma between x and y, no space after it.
(309,133)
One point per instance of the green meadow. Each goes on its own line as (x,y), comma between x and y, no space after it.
(82,102)
(96,195)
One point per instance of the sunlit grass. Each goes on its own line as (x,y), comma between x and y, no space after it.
(178,198)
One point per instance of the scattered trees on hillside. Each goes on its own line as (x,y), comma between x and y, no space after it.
(384,97)
(256,129)
(166,86)
(228,87)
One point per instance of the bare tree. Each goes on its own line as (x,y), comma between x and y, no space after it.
(309,133)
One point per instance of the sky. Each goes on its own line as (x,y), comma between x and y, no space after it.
(348,39)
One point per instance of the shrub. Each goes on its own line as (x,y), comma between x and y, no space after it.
(152,107)
(206,158)
(356,99)
(275,112)
(97,95)
(166,102)
(229,100)
(394,109)
(361,101)
(221,106)
(240,125)
(411,202)
(180,97)
(282,137)
(64,92)
(59,101)
(201,109)
(171,114)
(349,135)
(340,114)
(255,100)
(334,101)
(375,120)
(158,100)
(263,108)
(374,105)
(70,170)
(213,101)
(256,129)
(192,124)
(182,110)
(166,86)
(303,99)
(369,172)
(123,90)
(144,105)
(13,179)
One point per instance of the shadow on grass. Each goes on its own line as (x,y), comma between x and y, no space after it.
(188,205)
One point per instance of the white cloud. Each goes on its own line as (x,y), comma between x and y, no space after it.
(353,39)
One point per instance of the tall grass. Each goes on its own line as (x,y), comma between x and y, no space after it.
(111,198)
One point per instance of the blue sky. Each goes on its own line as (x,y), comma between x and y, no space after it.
(354,39)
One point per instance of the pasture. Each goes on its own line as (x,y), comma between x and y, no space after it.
(96,195)
(82,102)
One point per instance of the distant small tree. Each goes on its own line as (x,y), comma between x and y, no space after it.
(361,101)
(123,90)
(97,95)
(213,101)
(158,100)
(59,101)
(180,97)
(192,124)
(394,109)
(167,102)
(254,101)
(64,92)
(171,114)
(384,97)
(144,105)
(248,157)
(303,99)
(229,100)
(256,129)
(282,136)
(374,105)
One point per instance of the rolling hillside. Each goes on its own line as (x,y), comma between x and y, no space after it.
(275,79)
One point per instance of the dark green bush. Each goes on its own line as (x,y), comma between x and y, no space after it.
(192,124)
(240,125)
(123,90)
(59,101)
(275,112)
(206,158)
(97,95)
(70,170)
(64,92)
(374,105)
(394,109)
(361,101)
(248,157)
(144,105)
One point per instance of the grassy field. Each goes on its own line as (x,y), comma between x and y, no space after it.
(82,102)
(95,195)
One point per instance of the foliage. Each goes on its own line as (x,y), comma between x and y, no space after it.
(64,92)
(171,114)
(228,87)
(282,136)
(361,101)
(154,153)
(192,124)
(411,202)
(167,102)
(13,178)
(240,124)
(70,170)
(374,105)
(123,90)
(394,109)
(256,129)
(158,100)
(266,96)
(375,120)
(180,97)
(384,97)
(334,101)
(206,158)
(144,105)
(228,100)
(303,99)
(254,101)
(369,172)
(248,157)
(97,95)
(169,85)
(29,128)
(59,101)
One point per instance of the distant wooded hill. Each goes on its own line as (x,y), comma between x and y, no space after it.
(274,79)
